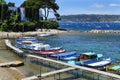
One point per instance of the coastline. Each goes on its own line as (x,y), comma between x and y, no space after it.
(51,31)
(104,31)
(30,33)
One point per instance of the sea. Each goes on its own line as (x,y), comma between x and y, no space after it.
(107,44)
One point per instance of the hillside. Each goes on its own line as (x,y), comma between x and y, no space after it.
(91,18)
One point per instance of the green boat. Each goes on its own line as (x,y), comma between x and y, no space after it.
(115,68)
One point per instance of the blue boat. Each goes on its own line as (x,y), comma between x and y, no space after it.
(91,59)
(27,40)
(66,56)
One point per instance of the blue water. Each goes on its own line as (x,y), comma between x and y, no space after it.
(107,44)
(90,25)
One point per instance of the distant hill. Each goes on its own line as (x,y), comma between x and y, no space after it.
(91,18)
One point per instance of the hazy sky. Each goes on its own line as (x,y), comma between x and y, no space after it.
(84,6)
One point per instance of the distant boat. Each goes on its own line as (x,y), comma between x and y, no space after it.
(91,59)
(45,34)
(115,68)
(65,56)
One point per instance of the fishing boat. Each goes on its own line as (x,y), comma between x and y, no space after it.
(115,68)
(91,59)
(50,51)
(34,46)
(65,56)
(27,40)
(39,48)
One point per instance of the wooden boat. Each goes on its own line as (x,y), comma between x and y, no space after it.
(27,41)
(65,56)
(34,46)
(115,68)
(40,48)
(48,52)
(91,59)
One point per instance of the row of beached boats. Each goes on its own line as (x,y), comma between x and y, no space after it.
(89,59)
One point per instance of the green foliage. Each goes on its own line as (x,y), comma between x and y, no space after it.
(2,2)
(47,24)
(3,11)
(32,14)
(10,4)
(10,22)
(4,26)
(26,26)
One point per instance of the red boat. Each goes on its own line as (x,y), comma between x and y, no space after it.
(45,52)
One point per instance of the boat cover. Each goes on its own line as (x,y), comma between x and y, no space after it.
(64,55)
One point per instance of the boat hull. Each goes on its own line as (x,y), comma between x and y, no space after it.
(45,52)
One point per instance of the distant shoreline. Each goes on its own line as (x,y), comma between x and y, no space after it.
(104,31)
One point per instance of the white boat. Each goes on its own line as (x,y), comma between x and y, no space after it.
(45,34)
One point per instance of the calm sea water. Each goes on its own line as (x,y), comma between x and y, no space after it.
(107,44)
(90,25)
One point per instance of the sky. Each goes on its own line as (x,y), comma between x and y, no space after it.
(71,7)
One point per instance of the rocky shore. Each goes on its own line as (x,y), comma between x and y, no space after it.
(31,33)
(104,31)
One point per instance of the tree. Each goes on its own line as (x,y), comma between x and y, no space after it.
(46,5)
(2,5)
(4,26)
(13,21)
(10,4)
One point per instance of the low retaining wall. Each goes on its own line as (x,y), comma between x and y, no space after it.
(14,49)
